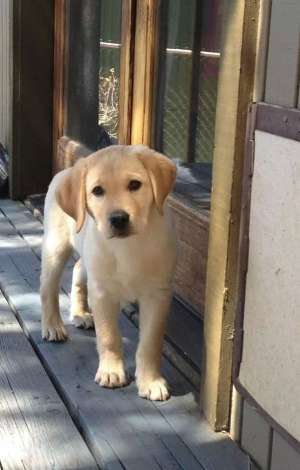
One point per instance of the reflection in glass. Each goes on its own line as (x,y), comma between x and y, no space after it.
(109,72)
(189,44)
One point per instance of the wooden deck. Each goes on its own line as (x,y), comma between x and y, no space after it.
(53,415)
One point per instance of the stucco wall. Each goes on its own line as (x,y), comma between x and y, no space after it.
(270,368)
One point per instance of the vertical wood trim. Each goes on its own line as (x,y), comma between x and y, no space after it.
(235,93)
(59,77)
(283,57)
(6,65)
(144,67)
(14,164)
(126,70)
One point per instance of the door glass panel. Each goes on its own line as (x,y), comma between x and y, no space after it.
(208,80)
(188,64)
(94,71)
(109,71)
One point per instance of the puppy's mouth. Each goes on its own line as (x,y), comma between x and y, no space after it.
(115,233)
(118,235)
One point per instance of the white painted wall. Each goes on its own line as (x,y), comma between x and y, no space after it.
(6,64)
(270,368)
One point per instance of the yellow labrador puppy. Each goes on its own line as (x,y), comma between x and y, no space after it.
(109,208)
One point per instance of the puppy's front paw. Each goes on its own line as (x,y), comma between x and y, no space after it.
(54,332)
(111,376)
(84,321)
(156,390)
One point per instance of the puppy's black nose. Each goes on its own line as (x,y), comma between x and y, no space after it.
(119,219)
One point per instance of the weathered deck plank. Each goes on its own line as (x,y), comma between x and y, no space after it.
(33,418)
(122,430)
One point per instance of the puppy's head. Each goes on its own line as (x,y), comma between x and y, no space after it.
(119,186)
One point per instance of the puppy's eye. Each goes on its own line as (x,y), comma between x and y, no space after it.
(98,191)
(134,185)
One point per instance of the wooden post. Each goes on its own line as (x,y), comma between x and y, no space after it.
(235,91)
(144,71)
(126,70)
(59,78)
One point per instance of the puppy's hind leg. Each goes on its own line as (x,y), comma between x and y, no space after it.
(55,253)
(80,314)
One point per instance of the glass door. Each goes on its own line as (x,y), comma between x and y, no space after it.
(147,72)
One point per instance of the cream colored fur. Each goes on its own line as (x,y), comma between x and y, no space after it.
(112,271)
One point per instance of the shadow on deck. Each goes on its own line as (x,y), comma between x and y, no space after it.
(53,415)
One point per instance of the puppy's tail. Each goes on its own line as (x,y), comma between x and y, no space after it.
(68,152)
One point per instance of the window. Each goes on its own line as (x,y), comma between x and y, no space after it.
(186,91)
(109,67)
(93,71)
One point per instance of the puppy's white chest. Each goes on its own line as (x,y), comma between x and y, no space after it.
(126,280)
(116,273)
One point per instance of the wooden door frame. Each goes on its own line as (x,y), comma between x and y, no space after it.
(126,70)
(60,60)
(235,94)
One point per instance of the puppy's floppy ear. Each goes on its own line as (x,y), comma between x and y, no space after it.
(71,193)
(162,173)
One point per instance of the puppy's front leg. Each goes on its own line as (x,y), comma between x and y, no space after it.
(154,311)
(111,372)
(79,306)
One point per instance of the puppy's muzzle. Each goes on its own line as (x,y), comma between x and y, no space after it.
(119,222)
